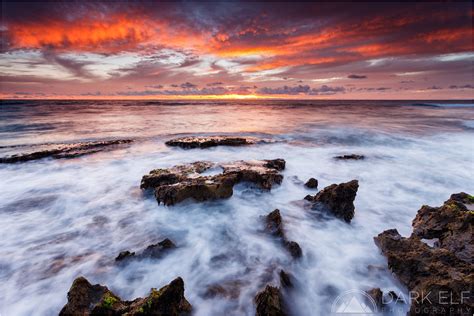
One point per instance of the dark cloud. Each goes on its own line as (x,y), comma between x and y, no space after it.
(188,85)
(434,88)
(357,77)
(217,83)
(466,86)
(302,89)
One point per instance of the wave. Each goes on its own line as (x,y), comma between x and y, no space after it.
(443,105)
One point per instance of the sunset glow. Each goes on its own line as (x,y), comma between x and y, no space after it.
(232,50)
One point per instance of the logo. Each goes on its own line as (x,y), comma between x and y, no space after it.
(354,302)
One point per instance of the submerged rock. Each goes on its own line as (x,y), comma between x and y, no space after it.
(442,275)
(312,183)
(274,226)
(338,199)
(285,279)
(154,251)
(452,224)
(350,157)
(269,302)
(87,299)
(181,182)
(63,151)
(209,141)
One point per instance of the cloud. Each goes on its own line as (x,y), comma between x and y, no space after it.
(357,77)
(302,89)
(217,83)
(188,85)
(466,86)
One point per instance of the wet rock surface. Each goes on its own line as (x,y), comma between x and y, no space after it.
(209,141)
(179,183)
(337,199)
(312,183)
(350,157)
(154,251)
(452,224)
(377,295)
(274,226)
(435,271)
(269,302)
(87,299)
(285,279)
(66,151)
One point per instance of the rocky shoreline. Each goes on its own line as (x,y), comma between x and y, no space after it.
(67,151)
(445,266)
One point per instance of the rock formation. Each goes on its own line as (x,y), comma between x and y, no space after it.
(350,157)
(154,251)
(63,151)
(209,141)
(178,183)
(337,199)
(87,299)
(274,226)
(443,274)
(269,302)
(312,183)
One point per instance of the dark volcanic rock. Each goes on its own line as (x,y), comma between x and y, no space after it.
(285,279)
(269,302)
(63,151)
(209,141)
(312,183)
(178,183)
(87,299)
(452,223)
(154,251)
(274,226)
(338,199)
(350,157)
(429,272)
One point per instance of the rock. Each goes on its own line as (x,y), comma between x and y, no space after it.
(429,272)
(451,223)
(269,302)
(209,141)
(63,151)
(350,157)
(124,255)
(377,295)
(312,183)
(338,199)
(285,279)
(87,299)
(293,248)
(154,251)
(179,183)
(229,290)
(274,226)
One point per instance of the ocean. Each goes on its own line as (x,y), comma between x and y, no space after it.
(63,218)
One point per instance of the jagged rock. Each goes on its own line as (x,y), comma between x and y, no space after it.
(87,299)
(178,183)
(124,255)
(451,223)
(350,157)
(312,183)
(209,141)
(154,251)
(274,226)
(377,295)
(429,272)
(338,199)
(285,279)
(269,302)
(63,151)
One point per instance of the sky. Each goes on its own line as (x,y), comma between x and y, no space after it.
(175,50)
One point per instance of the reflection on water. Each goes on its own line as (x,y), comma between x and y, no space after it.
(65,218)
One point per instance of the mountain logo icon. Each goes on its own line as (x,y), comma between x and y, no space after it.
(354,302)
